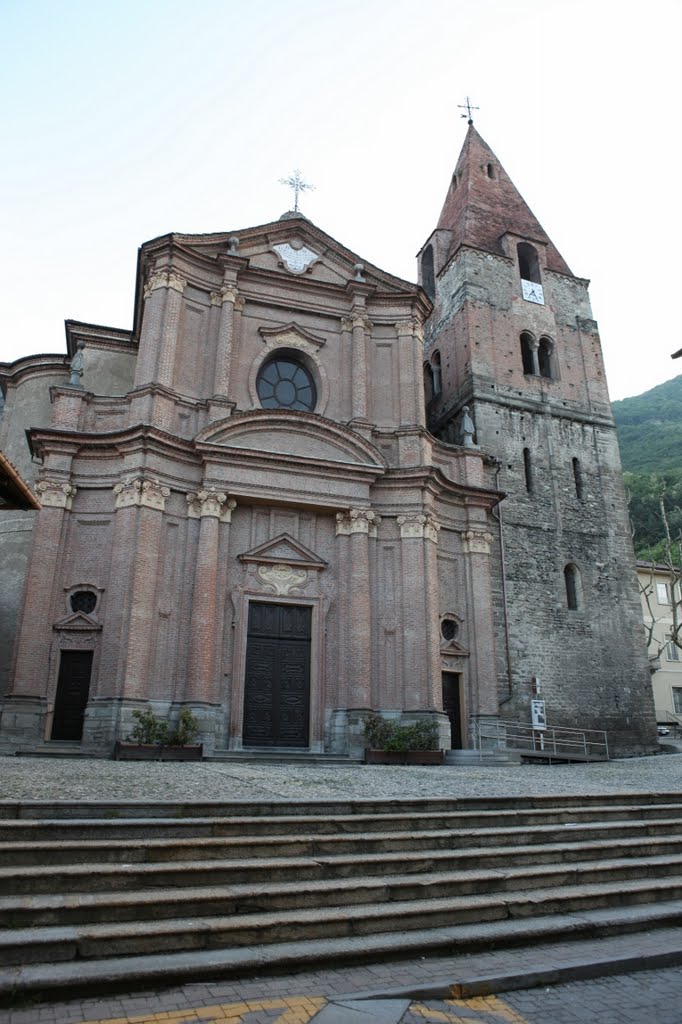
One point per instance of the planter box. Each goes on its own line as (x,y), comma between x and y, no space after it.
(156,752)
(403,756)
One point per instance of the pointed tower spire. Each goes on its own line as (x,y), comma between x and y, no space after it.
(483,204)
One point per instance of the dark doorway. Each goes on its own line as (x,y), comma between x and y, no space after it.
(452,707)
(277,678)
(73,686)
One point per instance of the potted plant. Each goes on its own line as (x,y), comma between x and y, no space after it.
(153,740)
(391,743)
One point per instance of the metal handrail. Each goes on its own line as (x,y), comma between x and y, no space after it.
(519,736)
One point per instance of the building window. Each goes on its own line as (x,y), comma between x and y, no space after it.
(449,629)
(573,587)
(545,358)
(428,383)
(527,345)
(677,699)
(578,479)
(529,267)
(662,595)
(672,651)
(83,601)
(284,383)
(490,170)
(528,469)
(436,373)
(428,275)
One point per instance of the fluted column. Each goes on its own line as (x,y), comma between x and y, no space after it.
(419,537)
(360,326)
(410,356)
(144,499)
(34,635)
(482,672)
(357,525)
(229,300)
(212,508)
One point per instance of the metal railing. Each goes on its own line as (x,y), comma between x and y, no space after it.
(583,744)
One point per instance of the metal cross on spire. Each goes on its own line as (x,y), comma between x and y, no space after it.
(296,182)
(468,107)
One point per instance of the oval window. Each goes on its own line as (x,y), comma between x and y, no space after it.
(284,383)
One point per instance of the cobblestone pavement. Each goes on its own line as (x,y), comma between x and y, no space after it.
(26,778)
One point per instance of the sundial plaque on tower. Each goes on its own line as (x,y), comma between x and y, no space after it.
(295,256)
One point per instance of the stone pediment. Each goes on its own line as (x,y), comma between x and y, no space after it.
(291,335)
(284,550)
(293,436)
(453,649)
(77,622)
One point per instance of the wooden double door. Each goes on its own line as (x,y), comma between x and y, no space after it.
(277,677)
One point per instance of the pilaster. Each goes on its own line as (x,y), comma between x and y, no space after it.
(482,695)
(421,655)
(230,303)
(357,525)
(410,354)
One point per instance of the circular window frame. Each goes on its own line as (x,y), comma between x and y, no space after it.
(301,353)
(292,359)
(87,588)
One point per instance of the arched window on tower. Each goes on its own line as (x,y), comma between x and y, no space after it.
(428,275)
(428,383)
(527,345)
(529,268)
(546,358)
(436,374)
(573,587)
(490,170)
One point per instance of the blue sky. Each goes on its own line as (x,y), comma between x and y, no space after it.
(123,121)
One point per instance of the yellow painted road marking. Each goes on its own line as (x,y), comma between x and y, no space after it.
(478,1010)
(295,1010)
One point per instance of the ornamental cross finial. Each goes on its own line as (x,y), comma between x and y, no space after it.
(296,182)
(468,107)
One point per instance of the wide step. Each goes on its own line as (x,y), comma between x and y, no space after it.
(96,894)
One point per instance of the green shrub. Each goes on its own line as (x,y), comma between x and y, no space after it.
(150,729)
(384,735)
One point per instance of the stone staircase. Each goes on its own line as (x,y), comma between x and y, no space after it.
(122,895)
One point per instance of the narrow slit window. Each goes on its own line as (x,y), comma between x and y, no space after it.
(428,383)
(436,374)
(428,274)
(528,469)
(573,587)
(578,479)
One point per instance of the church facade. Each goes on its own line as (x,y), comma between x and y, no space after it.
(300,488)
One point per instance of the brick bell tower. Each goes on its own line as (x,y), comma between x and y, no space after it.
(512,338)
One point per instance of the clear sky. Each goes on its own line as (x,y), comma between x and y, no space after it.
(126,119)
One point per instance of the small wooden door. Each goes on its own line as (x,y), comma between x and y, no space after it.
(452,706)
(73,686)
(277,678)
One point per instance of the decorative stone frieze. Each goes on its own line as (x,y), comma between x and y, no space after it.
(210,503)
(419,526)
(357,520)
(476,542)
(282,578)
(55,494)
(146,492)
(164,279)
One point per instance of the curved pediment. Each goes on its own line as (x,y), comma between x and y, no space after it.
(295,435)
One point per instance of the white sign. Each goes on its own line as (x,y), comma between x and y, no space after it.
(538,714)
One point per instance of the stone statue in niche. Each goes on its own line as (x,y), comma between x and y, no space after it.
(467,429)
(76,366)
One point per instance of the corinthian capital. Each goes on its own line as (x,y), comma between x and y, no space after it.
(210,503)
(143,491)
(164,279)
(55,494)
(410,328)
(359,318)
(476,542)
(420,526)
(357,520)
